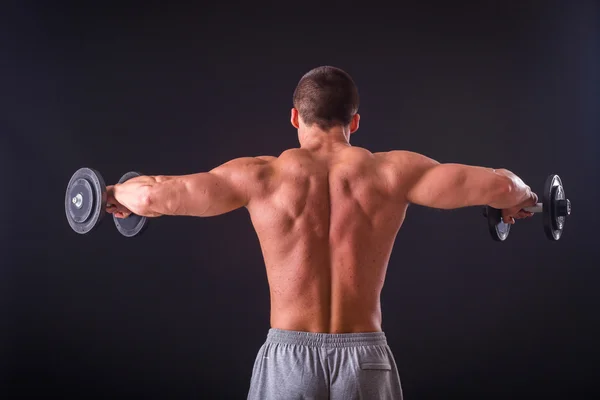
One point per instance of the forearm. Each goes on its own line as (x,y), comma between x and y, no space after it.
(149,196)
(202,195)
(451,186)
(497,188)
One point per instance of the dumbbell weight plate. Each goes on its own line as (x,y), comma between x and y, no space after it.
(133,225)
(85,200)
(497,228)
(553,192)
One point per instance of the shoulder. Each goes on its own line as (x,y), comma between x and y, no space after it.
(355,156)
(295,153)
(245,167)
(294,160)
(266,158)
(358,153)
(405,159)
(400,168)
(245,162)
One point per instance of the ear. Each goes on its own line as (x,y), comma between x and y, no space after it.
(354,123)
(294,118)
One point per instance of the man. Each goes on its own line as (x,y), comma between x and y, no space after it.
(326,215)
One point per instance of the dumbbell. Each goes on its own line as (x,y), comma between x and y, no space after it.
(555,208)
(85,204)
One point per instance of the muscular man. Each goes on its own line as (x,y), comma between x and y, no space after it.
(326,214)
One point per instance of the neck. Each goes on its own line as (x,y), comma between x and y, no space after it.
(314,138)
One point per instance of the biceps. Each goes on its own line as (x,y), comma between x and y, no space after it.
(207,194)
(449,186)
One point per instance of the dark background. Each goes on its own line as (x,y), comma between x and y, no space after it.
(180,312)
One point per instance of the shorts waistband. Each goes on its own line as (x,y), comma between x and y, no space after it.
(326,340)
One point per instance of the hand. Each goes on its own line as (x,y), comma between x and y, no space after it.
(113,206)
(509,215)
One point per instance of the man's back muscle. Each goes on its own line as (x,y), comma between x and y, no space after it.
(326,223)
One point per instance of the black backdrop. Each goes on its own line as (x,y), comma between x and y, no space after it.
(166,89)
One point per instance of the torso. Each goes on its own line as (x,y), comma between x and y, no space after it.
(326,225)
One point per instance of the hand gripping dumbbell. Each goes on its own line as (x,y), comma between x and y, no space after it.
(555,208)
(85,204)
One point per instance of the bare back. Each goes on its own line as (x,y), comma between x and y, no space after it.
(326,219)
(326,226)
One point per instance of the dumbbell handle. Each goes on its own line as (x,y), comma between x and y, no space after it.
(535,209)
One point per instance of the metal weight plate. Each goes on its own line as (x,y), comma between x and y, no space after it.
(134,224)
(556,207)
(498,228)
(85,200)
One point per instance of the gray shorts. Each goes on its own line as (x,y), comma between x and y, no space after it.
(302,365)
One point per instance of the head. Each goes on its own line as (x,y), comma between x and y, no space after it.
(326,98)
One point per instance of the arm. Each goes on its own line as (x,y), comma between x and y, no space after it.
(449,186)
(223,189)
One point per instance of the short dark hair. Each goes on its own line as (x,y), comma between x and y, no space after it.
(326,96)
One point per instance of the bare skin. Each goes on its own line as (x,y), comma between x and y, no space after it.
(326,215)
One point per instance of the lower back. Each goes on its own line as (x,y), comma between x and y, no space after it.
(352,318)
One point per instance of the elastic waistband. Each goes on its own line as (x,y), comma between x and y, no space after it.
(326,340)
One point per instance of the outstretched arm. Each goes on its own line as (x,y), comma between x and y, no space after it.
(449,186)
(223,189)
